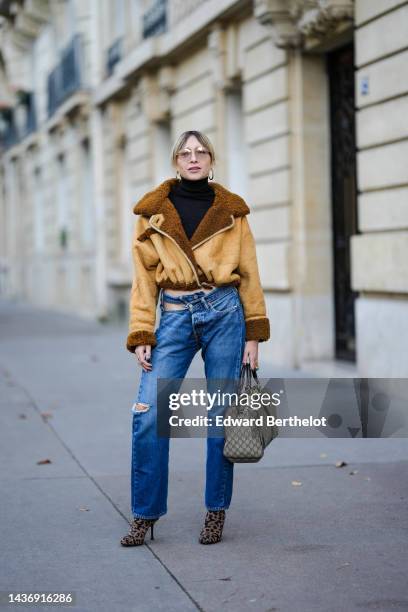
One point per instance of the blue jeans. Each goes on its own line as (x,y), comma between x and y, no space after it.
(215,323)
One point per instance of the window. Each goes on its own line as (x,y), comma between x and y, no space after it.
(86,198)
(38,212)
(62,201)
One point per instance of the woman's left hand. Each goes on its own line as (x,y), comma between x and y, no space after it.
(251,353)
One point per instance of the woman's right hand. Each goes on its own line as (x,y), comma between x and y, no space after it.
(143,355)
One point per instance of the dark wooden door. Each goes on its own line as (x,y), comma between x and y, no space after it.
(344,193)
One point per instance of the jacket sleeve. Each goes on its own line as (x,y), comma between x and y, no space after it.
(250,289)
(144,291)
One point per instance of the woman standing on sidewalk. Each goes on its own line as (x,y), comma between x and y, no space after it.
(193,244)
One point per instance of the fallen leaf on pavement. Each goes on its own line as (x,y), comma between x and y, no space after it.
(343,565)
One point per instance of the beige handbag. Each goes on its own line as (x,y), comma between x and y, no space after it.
(245,443)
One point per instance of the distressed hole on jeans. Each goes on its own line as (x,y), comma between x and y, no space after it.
(140,407)
(171,306)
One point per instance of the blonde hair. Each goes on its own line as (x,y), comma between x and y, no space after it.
(182,139)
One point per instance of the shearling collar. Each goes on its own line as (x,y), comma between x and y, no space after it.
(219,216)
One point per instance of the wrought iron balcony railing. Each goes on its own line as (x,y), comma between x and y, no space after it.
(8,129)
(67,76)
(30,124)
(18,122)
(114,55)
(155,19)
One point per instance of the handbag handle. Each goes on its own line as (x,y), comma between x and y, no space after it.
(245,376)
(250,371)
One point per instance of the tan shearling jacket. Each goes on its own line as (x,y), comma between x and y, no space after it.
(220,252)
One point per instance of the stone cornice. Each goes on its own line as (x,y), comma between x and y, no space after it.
(303,23)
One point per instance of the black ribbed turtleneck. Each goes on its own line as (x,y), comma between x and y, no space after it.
(191,199)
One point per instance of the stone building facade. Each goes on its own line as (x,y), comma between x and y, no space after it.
(306,103)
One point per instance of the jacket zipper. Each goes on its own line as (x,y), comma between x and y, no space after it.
(214,234)
(179,247)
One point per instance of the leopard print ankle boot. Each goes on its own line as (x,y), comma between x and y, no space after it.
(211,533)
(137,532)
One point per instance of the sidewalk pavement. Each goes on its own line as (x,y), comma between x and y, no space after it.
(337,542)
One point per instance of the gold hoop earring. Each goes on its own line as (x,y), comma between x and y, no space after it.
(178,176)
(212,174)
